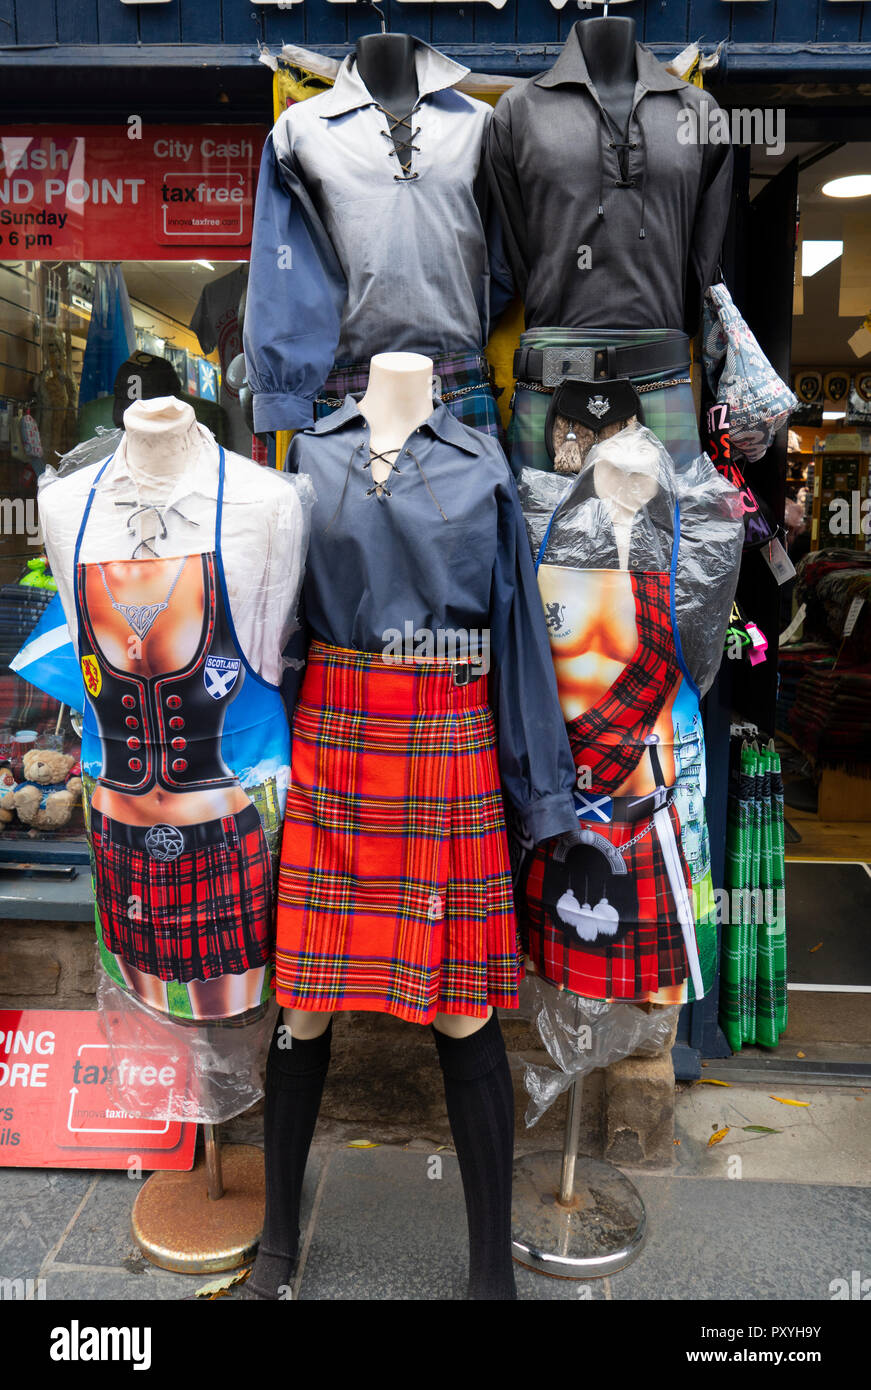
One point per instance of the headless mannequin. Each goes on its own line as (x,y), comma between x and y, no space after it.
(398,399)
(471,1051)
(386,64)
(608,46)
(163,442)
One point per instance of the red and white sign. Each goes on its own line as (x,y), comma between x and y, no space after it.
(56,1109)
(131,192)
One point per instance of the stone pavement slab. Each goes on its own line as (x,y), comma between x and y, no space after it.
(827,1140)
(722,1239)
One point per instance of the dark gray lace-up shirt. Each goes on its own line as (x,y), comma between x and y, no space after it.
(653,227)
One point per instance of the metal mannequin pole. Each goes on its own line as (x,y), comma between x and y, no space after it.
(573,1216)
(209,1219)
(214,1173)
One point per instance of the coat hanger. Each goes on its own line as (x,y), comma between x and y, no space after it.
(380,13)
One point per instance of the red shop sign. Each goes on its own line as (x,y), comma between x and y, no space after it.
(56,1109)
(94,193)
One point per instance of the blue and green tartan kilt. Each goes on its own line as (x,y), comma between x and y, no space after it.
(670,413)
(462,383)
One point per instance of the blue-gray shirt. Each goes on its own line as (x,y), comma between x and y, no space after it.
(353,254)
(446,552)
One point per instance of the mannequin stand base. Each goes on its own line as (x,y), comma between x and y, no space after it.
(600,1231)
(178,1226)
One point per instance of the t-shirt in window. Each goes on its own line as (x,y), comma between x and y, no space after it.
(216,324)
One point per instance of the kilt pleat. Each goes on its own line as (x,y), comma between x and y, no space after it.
(394,891)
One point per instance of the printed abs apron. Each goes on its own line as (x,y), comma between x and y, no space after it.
(613,915)
(182,902)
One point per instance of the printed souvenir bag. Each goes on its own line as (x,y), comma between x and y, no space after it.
(740,376)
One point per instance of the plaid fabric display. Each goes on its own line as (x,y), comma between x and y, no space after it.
(753,989)
(394,891)
(188,915)
(670,413)
(463,383)
(648,956)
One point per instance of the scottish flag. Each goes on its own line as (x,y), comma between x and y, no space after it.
(48,659)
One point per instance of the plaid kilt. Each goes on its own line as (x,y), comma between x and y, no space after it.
(463,384)
(205,913)
(394,890)
(670,414)
(650,955)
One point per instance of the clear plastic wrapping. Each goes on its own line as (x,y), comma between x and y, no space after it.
(166,1069)
(102,446)
(587,531)
(582,1035)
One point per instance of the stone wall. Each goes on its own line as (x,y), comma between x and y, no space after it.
(385,1083)
(47,965)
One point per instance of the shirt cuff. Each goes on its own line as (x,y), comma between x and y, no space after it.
(549,816)
(278,410)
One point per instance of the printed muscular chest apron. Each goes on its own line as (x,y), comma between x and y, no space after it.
(616,914)
(193,901)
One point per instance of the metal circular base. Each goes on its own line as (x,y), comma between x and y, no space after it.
(602,1232)
(178,1227)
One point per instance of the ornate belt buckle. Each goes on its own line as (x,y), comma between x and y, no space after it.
(559,363)
(164,842)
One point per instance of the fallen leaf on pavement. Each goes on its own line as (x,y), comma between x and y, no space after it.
(720,1135)
(784,1101)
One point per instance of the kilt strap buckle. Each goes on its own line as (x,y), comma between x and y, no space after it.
(465,671)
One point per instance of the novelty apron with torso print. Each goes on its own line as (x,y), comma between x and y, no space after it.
(626,910)
(185,754)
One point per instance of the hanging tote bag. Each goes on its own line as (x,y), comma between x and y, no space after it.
(741,376)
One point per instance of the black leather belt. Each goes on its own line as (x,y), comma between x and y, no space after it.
(552,365)
(165,842)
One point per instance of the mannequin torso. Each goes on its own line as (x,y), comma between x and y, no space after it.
(153,612)
(608,46)
(385,62)
(397,401)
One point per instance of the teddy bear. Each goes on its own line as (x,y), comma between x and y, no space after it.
(7,795)
(46,797)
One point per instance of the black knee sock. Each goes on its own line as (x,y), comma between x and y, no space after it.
(295,1078)
(480,1101)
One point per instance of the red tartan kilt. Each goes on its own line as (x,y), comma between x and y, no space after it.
(394,891)
(206,913)
(649,956)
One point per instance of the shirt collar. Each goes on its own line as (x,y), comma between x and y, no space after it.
(571,67)
(441,423)
(435,72)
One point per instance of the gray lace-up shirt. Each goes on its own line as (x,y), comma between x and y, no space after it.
(354,253)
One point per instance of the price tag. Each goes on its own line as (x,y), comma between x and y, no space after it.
(852,614)
(779,562)
(789,632)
